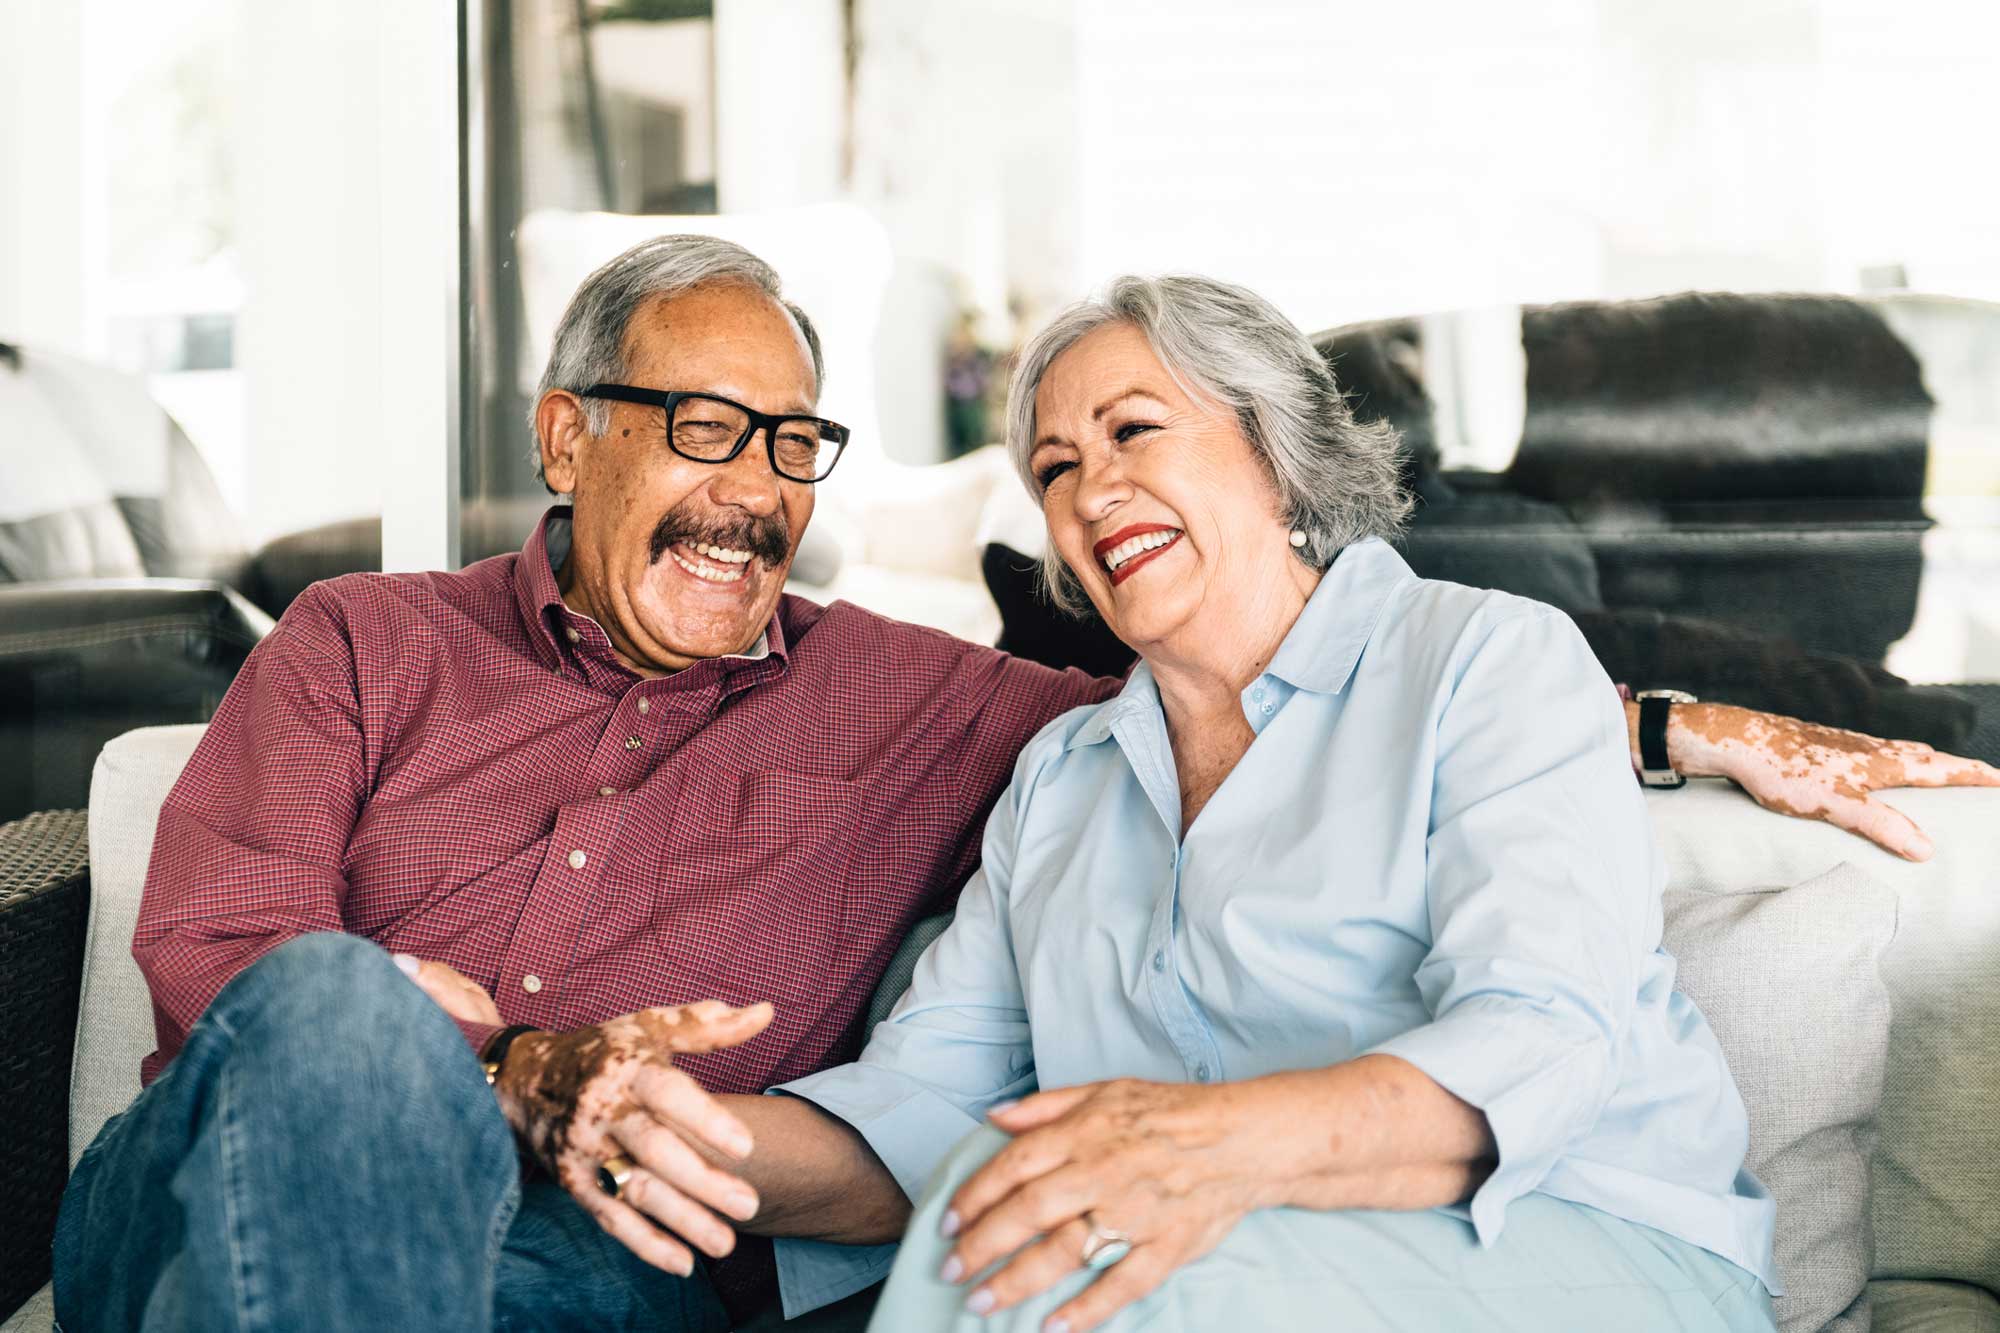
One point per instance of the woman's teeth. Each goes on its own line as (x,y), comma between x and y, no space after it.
(1144,542)
(721,555)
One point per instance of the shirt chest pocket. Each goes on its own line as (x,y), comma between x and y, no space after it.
(773,830)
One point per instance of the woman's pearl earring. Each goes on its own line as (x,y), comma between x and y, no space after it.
(1298,538)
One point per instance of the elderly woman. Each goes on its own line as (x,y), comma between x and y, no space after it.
(1333,939)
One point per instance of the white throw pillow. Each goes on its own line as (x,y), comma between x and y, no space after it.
(1936,1180)
(1790,981)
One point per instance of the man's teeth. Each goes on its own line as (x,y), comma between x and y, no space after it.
(1144,542)
(721,555)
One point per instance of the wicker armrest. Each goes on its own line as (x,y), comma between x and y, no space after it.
(44,895)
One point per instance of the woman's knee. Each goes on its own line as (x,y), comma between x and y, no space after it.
(966,1156)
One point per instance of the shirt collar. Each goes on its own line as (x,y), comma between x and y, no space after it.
(544,611)
(1325,642)
(1320,650)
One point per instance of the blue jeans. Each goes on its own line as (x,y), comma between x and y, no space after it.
(324,1153)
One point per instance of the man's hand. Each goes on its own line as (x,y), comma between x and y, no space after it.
(578,1098)
(455,993)
(1815,772)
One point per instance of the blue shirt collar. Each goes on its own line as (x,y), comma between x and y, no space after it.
(1325,642)
(1320,650)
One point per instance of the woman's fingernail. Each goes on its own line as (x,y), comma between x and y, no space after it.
(409,963)
(953,1270)
(1007,1105)
(979,1302)
(1056,1326)
(948,1227)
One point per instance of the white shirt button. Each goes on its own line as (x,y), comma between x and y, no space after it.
(1267,708)
(1160,961)
(531,983)
(573,634)
(576,859)
(607,791)
(644,704)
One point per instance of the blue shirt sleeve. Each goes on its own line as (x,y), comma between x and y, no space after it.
(955,1045)
(1543,898)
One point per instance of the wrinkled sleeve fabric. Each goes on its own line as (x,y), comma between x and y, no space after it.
(1543,899)
(955,1045)
(252,838)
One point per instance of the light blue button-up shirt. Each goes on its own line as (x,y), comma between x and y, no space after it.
(1434,849)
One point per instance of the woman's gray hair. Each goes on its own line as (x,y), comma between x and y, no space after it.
(1338,480)
(589,346)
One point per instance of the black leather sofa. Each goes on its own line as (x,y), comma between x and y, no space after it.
(128,595)
(1725,492)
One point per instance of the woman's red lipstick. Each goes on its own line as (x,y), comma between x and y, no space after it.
(1123,535)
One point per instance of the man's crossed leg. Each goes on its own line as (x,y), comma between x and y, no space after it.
(325,1153)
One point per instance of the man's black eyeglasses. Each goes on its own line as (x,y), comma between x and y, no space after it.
(711,429)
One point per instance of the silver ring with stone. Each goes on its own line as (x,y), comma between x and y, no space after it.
(1104,1246)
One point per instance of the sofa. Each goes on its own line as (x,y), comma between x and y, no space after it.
(1727,493)
(1871,1081)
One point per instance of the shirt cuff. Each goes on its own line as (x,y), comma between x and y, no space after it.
(812,1273)
(477,1035)
(911,1128)
(1538,1084)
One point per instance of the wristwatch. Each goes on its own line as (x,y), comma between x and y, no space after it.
(1655,768)
(495,1053)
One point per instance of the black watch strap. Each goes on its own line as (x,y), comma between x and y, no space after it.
(495,1053)
(1655,768)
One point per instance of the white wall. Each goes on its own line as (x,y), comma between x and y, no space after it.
(964,145)
(780,77)
(346,210)
(310,196)
(42,134)
(1356,160)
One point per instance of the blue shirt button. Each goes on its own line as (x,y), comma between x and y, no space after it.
(1201,1073)
(1160,961)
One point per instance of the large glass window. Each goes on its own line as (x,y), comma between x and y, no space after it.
(937,179)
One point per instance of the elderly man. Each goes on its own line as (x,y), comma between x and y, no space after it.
(608,782)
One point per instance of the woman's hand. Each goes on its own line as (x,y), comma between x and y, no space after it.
(1172,1166)
(1815,772)
(455,993)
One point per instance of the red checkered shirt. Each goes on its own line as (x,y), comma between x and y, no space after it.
(456,766)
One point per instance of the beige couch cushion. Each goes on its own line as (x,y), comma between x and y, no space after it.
(1936,1172)
(1933,1307)
(1790,979)
(115,1026)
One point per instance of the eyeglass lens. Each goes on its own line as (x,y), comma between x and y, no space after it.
(708,428)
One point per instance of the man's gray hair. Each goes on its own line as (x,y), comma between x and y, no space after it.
(589,346)
(1337,480)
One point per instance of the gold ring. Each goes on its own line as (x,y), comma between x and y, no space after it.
(611,1177)
(1104,1246)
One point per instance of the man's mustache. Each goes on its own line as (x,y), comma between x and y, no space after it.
(767,539)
